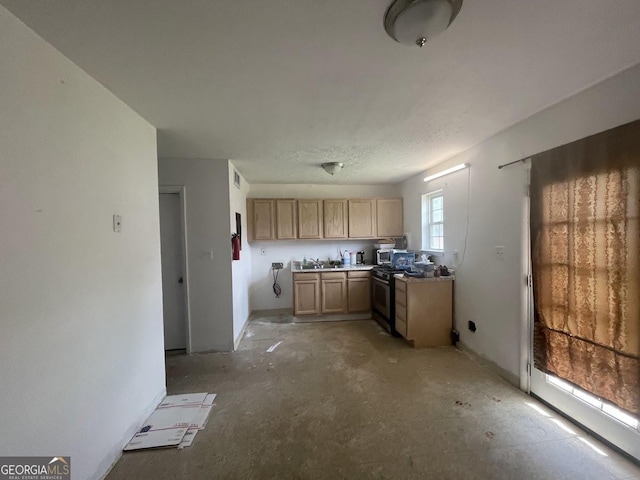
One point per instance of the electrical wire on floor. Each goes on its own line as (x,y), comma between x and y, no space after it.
(276,288)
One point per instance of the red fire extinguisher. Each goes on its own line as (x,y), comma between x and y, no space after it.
(235,246)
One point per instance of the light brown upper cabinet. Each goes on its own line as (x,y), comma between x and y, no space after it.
(263,219)
(336,224)
(290,219)
(286,220)
(389,217)
(309,218)
(362,218)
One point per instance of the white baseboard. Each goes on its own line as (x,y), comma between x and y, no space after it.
(236,342)
(114,454)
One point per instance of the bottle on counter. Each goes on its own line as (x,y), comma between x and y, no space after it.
(346,259)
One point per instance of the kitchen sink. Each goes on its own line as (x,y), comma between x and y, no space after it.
(320,267)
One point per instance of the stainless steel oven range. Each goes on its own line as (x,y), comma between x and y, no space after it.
(383,297)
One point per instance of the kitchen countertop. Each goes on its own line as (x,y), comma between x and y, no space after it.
(298,269)
(401,276)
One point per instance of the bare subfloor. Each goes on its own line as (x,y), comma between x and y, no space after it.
(345,400)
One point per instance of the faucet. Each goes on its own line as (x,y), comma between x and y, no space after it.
(316,263)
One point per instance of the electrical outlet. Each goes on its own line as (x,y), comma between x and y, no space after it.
(263,251)
(277,266)
(117,223)
(472,325)
(456,256)
(499,252)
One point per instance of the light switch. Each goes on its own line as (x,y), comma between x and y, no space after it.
(117,223)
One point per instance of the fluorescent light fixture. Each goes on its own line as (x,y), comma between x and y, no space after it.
(446,172)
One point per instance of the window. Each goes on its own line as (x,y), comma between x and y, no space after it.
(433,221)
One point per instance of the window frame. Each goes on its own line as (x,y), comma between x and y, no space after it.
(427,221)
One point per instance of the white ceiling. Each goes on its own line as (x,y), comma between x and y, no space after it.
(280,86)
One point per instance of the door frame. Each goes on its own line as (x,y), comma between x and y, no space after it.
(526,302)
(182,195)
(535,383)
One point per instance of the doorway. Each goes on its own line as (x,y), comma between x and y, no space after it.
(174,291)
(584,258)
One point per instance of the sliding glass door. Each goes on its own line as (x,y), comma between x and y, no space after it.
(585,258)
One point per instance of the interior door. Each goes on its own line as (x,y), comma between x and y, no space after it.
(173,260)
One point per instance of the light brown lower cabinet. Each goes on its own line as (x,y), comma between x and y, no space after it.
(359,291)
(424,311)
(306,293)
(331,292)
(334,292)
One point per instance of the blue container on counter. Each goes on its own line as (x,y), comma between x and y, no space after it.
(402,260)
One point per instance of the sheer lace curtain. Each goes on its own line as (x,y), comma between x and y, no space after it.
(585,231)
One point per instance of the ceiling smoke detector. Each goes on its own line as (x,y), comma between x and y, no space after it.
(413,22)
(332,167)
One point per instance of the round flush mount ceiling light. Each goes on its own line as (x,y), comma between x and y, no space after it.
(332,167)
(413,22)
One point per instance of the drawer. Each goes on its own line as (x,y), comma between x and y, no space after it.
(400,285)
(401,312)
(297,277)
(334,276)
(401,297)
(359,274)
(401,327)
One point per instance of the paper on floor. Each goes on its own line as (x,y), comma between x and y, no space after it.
(273,347)
(187,440)
(175,422)
(182,400)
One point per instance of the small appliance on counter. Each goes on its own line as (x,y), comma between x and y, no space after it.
(402,260)
(382,256)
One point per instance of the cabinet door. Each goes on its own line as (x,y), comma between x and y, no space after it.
(334,293)
(286,220)
(362,218)
(309,218)
(264,219)
(429,313)
(335,219)
(389,217)
(306,295)
(359,294)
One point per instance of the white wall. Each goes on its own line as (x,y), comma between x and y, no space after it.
(240,269)
(490,291)
(262,296)
(81,350)
(206,185)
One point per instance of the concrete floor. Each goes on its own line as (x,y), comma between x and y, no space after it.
(346,400)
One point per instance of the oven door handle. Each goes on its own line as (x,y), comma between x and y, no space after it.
(379,280)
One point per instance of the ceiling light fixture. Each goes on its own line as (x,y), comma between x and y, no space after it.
(413,22)
(446,172)
(332,167)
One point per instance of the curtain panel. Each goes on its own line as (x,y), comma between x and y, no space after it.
(585,240)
